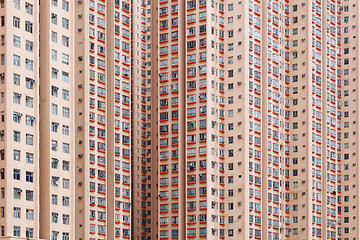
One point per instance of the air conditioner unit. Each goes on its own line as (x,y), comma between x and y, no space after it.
(239,123)
(302,51)
(80,169)
(239,136)
(80,155)
(240,29)
(239,69)
(80,58)
(303,16)
(304,205)
(303,181)
(239,163)
(303,75)
(240,190)
(80,16)
(303,193)
(240,230)
(239,203)
(239,43)
(79,1)
(239,83)
(80,86)
(239,56)
(80,141)
(240,96)
(80,197)
(79,127)
(239,109)
(239,216)
(80,183)
(239,16)
(79,29)
(80,99)
(2,74)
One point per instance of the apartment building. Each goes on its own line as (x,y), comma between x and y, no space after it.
(254,105)
(179,119)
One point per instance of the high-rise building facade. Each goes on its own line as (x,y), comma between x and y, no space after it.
(178,119)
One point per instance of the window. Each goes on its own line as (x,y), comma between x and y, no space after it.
(66,165)
(17,193)
(16,155)
(29,139)
(66,147)
(66,112)
(54,109)
(65,94)
(65,130)
(16,22)
(28,27)
(16,41)
(16,60)
(65,23)
(29,64)
(29,195)
(29,101)
(28,8)
(16,4)
(16,174)
(29,46)
(29,176)
(54,145)
(28,82)
(54,37)
(65,77)
(29,214)
(66,183)
(16,136)
(65,5)
(29,158)
(17,230)
(16,117)
(65,59)
(54,218)
(54,234)
(65,201)
(54,3)
(66,219)
(54,199)
(53,18)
